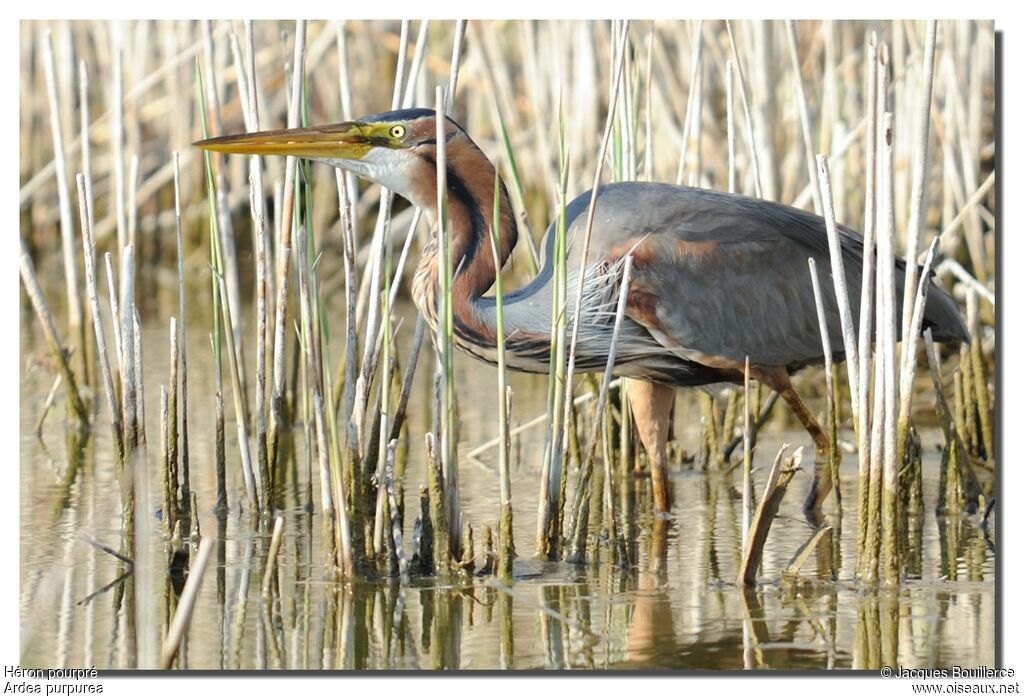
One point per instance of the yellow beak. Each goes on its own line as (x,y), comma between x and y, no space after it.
(347,141)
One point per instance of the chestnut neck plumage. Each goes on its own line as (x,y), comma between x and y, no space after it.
(470,179)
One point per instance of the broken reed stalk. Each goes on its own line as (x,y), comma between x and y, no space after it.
(830,389)
(581,507)
(505,533)
(92,294)
(60,355)
(183,614)
(774,490)
(76,328)
(182,389)
(277,400)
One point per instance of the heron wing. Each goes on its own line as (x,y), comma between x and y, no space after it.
(721,277)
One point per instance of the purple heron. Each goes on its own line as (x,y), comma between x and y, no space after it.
(717,277)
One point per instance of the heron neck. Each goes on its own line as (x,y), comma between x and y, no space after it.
(470,212)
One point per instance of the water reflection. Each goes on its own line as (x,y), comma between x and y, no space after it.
(657,593)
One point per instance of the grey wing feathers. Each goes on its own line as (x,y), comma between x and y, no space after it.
(730,272)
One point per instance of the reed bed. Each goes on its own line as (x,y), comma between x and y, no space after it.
(878,126)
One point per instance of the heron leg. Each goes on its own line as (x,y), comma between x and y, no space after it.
(651,405)
(778,379)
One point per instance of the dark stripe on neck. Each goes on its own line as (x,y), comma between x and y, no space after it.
(457,188)
(459,192)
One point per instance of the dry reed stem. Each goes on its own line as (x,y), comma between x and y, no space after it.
(866,309)
(92,294)
(979,374)
(953,267)
(967,208)
(238,398)
(172,418)
(129,387)
(257,206)
(76,329)
(449,465)
(774,490)
(830,389)
(115,312)
(140,387)
(277,407)
(917,193)
(560,463)
(887,354)
(186,604)
(505,483)
(581,507)
(535,422)
(909,363)
(182,389)
(310,347)
(839,281)
(117,146)
(35,294)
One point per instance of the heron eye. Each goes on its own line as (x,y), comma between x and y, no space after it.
(397,131)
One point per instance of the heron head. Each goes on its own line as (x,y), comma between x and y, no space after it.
(395,149)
